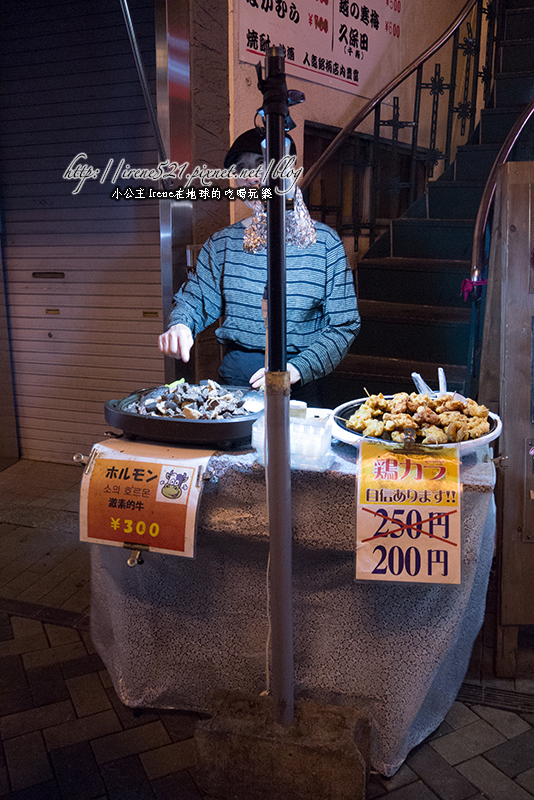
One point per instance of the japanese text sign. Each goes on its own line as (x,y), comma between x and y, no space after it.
(336,43)
(408,526)
(129,499)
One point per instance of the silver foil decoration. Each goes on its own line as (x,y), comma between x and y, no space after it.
(300,227)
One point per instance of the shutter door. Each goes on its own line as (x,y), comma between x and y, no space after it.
(82,270)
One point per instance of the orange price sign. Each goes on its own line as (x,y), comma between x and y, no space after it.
(130,500)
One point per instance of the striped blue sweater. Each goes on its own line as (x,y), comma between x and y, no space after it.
(322,313)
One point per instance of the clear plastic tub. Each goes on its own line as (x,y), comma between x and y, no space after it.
(309,440)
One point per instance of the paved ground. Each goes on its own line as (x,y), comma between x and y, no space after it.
(64,735)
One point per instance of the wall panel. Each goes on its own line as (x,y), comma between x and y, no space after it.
(70,86)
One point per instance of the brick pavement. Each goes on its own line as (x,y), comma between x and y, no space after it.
(64,734)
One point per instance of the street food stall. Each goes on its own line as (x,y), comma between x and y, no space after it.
(172,630)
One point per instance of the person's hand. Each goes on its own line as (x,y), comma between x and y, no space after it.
(177,342)
(258,379)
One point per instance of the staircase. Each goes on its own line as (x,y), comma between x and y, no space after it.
(414,317)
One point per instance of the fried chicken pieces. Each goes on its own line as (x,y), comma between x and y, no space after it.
(435,420)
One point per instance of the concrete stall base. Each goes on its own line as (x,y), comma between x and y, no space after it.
(242,753)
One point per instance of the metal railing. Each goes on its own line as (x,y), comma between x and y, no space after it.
(477,258)
(457,83)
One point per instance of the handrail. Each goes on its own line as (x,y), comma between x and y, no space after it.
(314,170)
(489,190)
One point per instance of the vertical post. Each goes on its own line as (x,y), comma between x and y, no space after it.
(415,134)
(277,390)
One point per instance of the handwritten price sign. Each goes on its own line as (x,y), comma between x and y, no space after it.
(408,525)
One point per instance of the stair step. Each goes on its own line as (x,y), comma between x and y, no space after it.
(495,124)
(517,56)
(424,339)
(454,199)
(432,238)
(444,265)
(414,312)
(474,161)
(390,375)
(429,282)
(419,208)
(519,24)
(514,89)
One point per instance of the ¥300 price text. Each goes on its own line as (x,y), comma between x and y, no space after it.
(129,526)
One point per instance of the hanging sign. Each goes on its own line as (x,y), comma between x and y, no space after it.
(139,499)
(408,526)
(337,43)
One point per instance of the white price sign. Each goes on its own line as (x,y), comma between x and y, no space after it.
(408,525)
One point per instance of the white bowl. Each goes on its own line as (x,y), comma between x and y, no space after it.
(341,432)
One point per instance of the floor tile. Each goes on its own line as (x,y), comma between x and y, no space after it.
(506,722)
(459,715)
(524,685)
(81,730)
(467,742)
(374,788)
(11,606)
(126,779)
(27,760)
(413,791)
(105,677)
(131,742)
(59,616)
(88,695)
(4,780)
(13,702)
(515,756)
(440,731)
(77,772)
(24,644)
(134,717)
(526,780)
(5,632)
(171,758)
(504,684)
(82,665)
(12,674)
(24,626)
(491,781)
(443,779)
(58,635)
(402,777)
(47,692)
(180,724)
(88,642)
(64,653)
(41,791)
(180,786)
(45,673)
(35,719)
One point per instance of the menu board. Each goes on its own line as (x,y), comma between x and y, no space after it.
(336,43)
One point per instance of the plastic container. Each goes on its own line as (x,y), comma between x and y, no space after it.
(309,440)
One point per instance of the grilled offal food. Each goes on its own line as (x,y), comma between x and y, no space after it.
(436,420)
(181,400)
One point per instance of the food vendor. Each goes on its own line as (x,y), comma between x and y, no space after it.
(229,282)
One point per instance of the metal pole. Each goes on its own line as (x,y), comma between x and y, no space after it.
(142,79)
(277,390)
